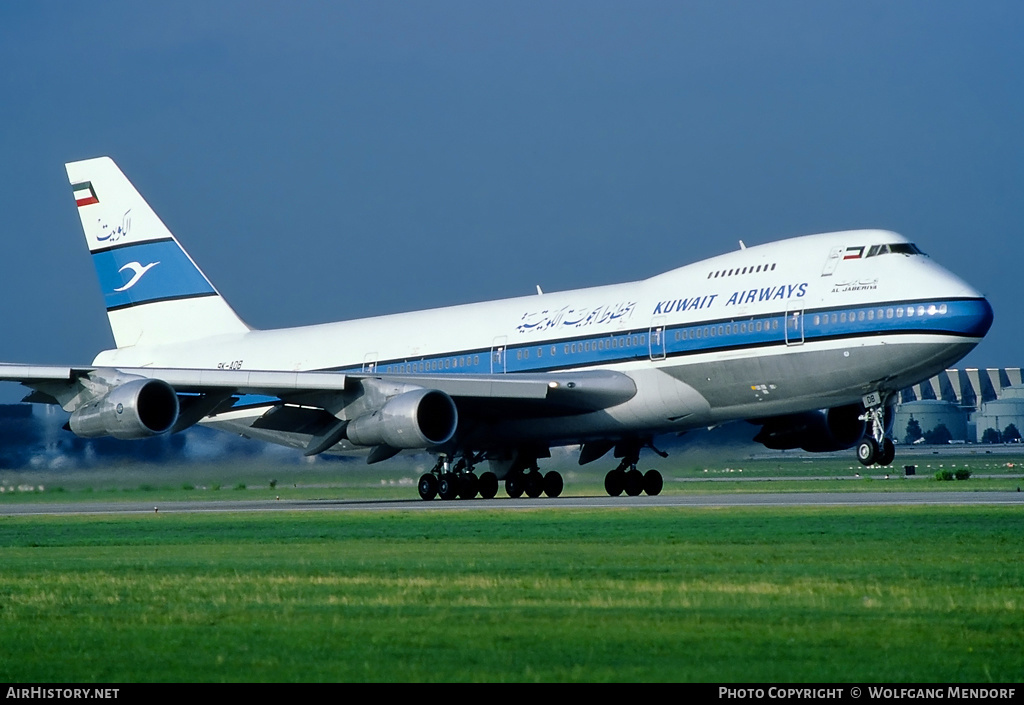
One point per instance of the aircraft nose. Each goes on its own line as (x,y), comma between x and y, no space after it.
(980,318)
(972,311)
(971,317)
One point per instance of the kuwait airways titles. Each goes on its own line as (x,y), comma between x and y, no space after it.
(738,298)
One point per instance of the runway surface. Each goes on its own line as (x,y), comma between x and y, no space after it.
(794,499)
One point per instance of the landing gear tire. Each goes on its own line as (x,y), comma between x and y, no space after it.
(867,451)
(614,482)
(887,452)
(448,486)
(653,482)
(514,485)
(488,485)
(469,485)
(553,484)
(634,484)
(427,487)
(534,484)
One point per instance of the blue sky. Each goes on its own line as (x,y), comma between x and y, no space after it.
(324,161)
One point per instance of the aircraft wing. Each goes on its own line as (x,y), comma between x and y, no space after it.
(581,390)
(321,407)
(183,380)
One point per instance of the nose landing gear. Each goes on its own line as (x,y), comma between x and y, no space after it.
(875,448)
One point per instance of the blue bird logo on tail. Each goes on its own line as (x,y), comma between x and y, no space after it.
(139,270)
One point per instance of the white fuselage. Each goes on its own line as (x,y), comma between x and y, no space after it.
(779,328)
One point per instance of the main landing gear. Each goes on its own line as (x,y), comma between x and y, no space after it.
(626,478)
(460,481)
(456,481)
(875,448)
(532,483)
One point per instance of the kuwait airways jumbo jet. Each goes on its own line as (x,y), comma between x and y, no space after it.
(808,338)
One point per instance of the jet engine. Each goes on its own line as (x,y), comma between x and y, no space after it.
(821,431)
(418,419)
(137,409)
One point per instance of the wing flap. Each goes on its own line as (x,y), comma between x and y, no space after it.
(10,372)
(243,381)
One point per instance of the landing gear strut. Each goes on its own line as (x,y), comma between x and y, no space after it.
(875,447)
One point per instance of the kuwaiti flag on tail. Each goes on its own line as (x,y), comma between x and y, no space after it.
(85,195)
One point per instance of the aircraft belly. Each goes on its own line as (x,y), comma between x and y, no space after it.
(662,404)
(810,377)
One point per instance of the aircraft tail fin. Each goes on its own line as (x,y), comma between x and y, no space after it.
(154,292)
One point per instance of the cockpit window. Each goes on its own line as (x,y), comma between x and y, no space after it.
(905,248)
(902,248)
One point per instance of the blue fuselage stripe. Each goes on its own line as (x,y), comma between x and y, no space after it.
(952,317)
(960,318)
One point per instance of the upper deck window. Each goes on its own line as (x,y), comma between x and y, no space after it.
(741,270)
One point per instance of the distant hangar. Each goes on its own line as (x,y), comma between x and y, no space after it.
(967,402)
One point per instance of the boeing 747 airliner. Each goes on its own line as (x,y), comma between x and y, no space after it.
(808,338)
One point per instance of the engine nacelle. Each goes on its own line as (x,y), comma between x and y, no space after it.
(137,409)
(822,431)
(418,419)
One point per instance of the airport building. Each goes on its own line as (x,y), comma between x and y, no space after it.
(967,402)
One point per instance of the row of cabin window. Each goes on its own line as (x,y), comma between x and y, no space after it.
(727,329)
(601,344)
(879,314)
(743,270)
(434,365)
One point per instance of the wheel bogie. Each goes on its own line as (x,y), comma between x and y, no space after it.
(462,482)
(633,482)
(872,452)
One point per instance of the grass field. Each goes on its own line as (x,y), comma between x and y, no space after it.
(912,594)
